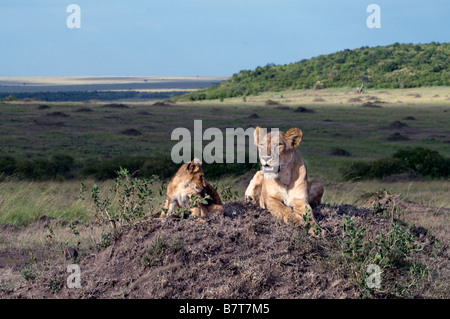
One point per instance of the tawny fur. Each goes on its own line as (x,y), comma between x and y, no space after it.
(190,180)
(286,193)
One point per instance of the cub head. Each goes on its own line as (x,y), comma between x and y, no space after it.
(276,149)
(196,176)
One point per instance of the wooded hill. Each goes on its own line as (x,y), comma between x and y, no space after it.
(392,66)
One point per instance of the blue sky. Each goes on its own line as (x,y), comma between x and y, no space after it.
(200,37)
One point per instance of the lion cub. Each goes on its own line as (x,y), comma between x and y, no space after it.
(188,181)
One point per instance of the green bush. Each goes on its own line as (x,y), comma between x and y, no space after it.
(138,166)
(424,161)
(107,169)
(391,66)
(8,165)
(417,160)
(375,169)
(58,166)
(64,167)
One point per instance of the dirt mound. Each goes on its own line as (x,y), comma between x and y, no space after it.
(283,108)
(336,151)
(394,137)
(302,109)
(272,102)
(84,110)
(370,104)
(145,113)
(164,103)
(58,114)
(131,132)
(253,116)
(8,228)
(247,253)
(116,106)
(397,124)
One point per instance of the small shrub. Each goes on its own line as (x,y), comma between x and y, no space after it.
(226,194)
(424,161)
(29,273)
(376,169)
(54,285)
(195,201)
(105,240)
(417,160)
(8,165)
(132,195)
(389,251)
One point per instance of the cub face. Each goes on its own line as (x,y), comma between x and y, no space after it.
(196,176)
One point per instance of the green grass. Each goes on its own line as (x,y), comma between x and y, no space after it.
(22,202)
(359,130)
(28,133)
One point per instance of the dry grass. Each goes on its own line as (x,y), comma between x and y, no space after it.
(345,96)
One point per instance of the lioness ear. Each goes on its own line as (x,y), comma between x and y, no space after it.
(293,136)
(256,135)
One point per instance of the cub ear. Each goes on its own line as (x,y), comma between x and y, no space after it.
(197,162)
(293,136)
(192,166)
(256,134)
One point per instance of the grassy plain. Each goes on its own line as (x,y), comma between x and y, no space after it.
(360,124)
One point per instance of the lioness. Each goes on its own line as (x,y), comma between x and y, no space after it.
(282,185)
(188,181)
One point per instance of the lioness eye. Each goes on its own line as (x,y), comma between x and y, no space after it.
(279,144)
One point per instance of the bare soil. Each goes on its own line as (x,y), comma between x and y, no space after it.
(247,253)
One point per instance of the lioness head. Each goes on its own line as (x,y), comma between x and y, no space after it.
(196,176)
(276,149)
